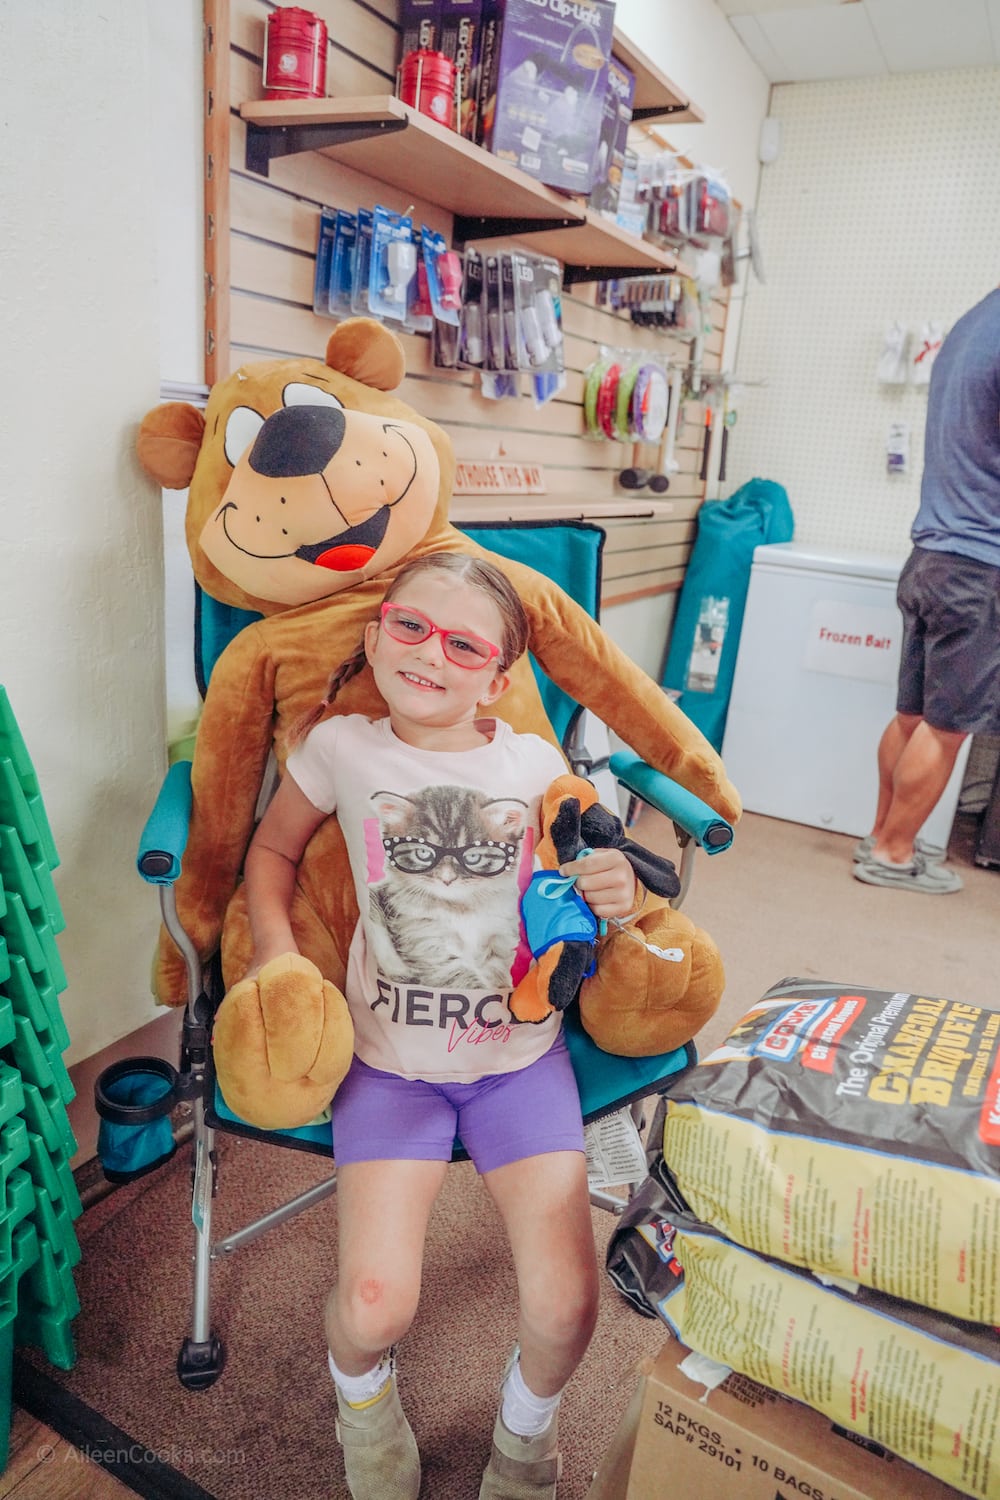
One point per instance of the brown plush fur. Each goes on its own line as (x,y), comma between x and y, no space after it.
(276,670)
(283,1043)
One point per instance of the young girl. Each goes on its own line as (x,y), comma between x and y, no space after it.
(439,803)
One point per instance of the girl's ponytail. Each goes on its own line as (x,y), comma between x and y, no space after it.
(348,668)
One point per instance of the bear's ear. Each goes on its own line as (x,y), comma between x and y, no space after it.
(169,442)
(368,352)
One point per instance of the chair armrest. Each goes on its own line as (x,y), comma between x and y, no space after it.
(695,817)
(165,834)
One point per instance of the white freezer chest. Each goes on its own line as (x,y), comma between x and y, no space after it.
(814,687)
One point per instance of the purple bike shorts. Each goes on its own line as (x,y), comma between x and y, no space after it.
(498,1120)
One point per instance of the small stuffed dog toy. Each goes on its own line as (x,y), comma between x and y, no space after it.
(634,981)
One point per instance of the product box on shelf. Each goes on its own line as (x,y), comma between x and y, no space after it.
(609,159)
(542,86)
(631,214)
(421,24)
(742,1441)
(461,32)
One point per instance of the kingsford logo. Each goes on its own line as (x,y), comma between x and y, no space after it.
(581,12)
(782,1040)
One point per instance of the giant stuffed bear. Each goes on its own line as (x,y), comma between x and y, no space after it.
(309,487)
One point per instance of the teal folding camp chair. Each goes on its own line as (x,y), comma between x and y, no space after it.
(569,553)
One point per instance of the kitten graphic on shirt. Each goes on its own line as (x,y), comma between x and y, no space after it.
(446,912)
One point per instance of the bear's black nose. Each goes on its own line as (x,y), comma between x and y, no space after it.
(297,440)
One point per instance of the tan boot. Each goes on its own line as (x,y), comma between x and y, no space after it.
(521,1468)
(380,1452)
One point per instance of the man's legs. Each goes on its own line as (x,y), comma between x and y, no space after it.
(895,738)
(915,761)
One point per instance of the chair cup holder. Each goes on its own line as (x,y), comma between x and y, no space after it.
(134,1098)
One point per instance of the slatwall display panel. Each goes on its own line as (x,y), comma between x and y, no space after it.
(265,246)
(883,205)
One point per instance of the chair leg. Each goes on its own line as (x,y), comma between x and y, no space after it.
(202,1355)
(608,1201)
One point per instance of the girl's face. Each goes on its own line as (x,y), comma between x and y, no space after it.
(432,700)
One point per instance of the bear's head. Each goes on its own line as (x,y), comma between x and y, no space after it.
(303,477)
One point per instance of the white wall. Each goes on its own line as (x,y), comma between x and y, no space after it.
(176,31)
(81,602)
(884,203)
(176,80)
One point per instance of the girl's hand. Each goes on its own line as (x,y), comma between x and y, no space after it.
(262,956)
(606,881)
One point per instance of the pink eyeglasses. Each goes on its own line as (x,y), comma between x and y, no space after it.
(459,646)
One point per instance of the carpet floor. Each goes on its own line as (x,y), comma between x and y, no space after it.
(265,1430)
(781,903)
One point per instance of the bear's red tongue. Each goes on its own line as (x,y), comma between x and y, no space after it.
(345,559)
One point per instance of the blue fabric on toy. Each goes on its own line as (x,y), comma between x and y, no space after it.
(554,913)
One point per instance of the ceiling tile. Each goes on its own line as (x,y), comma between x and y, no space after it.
(917,35)
(755,7)
(824,42)
(756,43)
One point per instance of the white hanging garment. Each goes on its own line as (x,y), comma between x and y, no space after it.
(926,344)
(892,362)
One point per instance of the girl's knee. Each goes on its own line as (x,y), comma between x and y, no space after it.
(567,1317)
(371,1313)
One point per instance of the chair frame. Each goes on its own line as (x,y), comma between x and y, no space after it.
(202,1354)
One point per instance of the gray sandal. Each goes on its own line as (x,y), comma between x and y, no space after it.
(918,875)
(521,1468)
(381,1460)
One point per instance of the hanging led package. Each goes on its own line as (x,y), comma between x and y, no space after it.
(393,265)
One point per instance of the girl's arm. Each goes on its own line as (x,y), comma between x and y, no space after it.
(271,868)
(606,881)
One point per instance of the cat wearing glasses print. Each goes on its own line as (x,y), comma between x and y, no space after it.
(446,912)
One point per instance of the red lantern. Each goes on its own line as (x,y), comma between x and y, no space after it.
(294,54)
(427,82)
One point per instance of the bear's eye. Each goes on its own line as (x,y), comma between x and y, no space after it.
(300,394)
(242,428)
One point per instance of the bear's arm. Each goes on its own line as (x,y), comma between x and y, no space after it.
(235,734)
(581,658)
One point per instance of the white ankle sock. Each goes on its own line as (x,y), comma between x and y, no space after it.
(524,1413)
(362,1390)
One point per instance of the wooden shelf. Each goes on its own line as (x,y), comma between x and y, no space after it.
(539,508)
(657,97)
(599,248)
(406,149)
(383,138)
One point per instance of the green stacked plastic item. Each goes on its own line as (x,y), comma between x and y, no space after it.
(40,1203)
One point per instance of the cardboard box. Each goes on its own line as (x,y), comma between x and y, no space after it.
(743,1442)
(609,160)
(421,23)
(543,84)
(461,38)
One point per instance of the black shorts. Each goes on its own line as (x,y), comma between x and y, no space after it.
(949,670)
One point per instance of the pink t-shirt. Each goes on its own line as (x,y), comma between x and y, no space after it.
(441,845)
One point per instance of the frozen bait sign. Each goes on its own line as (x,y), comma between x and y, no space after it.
(853,640)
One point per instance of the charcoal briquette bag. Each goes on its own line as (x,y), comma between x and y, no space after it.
(918,1382)
(854,1132)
